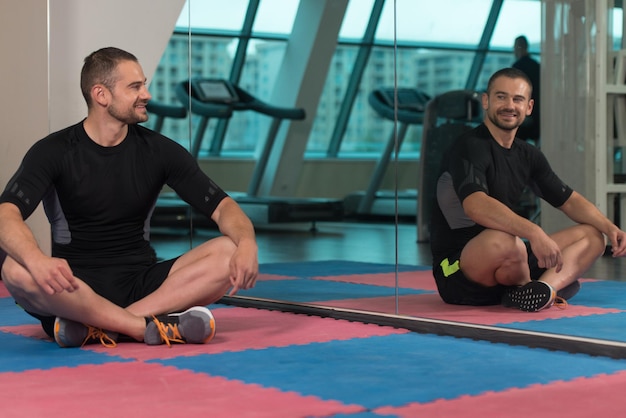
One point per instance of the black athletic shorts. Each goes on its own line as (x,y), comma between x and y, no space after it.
(122,285)
(456,289)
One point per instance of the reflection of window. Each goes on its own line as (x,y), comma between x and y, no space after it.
(509,24)
(441,21)
(434,57)
(266,18)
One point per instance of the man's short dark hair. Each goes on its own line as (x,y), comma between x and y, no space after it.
(522,42)
(99,68)
(509,72)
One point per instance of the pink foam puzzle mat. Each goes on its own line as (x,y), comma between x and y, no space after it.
(266,363)
(598,311)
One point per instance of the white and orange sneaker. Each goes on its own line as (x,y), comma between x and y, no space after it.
(195,326)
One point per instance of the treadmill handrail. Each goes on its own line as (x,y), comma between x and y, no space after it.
(242,101)
(166,110)
(411,115)
(249,102)
(206,109)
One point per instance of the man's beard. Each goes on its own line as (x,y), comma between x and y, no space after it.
(129,116)
(505,127)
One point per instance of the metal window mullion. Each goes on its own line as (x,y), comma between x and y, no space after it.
(217,143)
(355,80)
(483,45)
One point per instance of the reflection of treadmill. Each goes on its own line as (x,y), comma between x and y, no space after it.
(171,210)
(163,111)
(208,96)
(212,101)
(411,104)
(447,116)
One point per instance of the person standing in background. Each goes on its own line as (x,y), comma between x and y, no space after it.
(531,129)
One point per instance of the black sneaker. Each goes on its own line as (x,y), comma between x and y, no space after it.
(195,326)
(69,333)
(532,297)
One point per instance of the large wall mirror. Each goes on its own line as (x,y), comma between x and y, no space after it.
(312,115)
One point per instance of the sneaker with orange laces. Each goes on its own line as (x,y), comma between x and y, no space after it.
(195,326)
(532,297)
(69,333)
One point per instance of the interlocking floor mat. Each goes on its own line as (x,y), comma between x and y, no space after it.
(597,311)
(266,363)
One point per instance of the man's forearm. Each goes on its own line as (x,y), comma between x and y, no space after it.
(234,223)
(582,211)
(492,214)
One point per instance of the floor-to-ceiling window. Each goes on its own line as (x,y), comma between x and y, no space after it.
(416,44)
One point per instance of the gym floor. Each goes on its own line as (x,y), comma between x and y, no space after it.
(376,242)
(269,363)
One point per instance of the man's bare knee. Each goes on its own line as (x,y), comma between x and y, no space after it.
(595,240)
(14,274)
(20,284)
(495,257)
(504,247)
(225,246)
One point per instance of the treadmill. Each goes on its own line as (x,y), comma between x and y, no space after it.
(219,98)
(162,111)
(170,210)
(447,117)
(411,105)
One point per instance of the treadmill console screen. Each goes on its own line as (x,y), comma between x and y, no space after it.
(214,91)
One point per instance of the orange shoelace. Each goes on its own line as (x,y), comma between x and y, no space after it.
(560,303)
(169,332)
(94,333)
